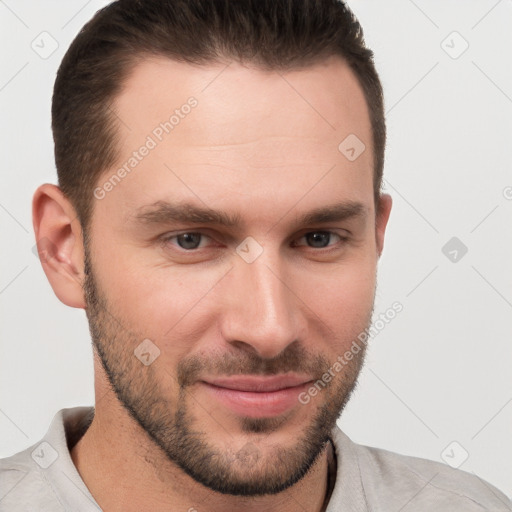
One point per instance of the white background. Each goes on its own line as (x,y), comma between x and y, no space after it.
(440,371)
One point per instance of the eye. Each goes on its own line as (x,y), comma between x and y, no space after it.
(188,241)
(319,239)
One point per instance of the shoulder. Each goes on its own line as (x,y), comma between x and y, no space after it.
(410,483)
(426,484)
(43,477)
(24,484)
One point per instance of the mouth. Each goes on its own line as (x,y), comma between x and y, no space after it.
(257,396)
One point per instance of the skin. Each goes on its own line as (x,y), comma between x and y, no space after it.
(262,146)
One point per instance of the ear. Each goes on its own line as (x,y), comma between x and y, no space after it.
(59,243)
(383,212)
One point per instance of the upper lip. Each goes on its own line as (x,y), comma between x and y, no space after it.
(259,383)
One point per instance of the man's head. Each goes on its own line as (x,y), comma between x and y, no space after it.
(224,160)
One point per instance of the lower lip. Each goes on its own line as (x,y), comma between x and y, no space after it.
(257,404)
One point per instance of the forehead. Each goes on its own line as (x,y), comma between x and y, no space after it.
(327,95)
(223,129)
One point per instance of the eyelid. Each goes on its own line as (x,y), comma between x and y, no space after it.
(335,231)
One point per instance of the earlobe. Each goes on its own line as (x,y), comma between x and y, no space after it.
(59,242)
(383,212)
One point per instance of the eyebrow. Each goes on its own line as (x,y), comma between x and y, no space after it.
(162,212)
(333,213)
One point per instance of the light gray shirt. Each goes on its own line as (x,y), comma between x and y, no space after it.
(43,478)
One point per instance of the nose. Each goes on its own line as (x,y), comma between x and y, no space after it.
(261,312)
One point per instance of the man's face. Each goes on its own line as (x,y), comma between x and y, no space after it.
(243,327)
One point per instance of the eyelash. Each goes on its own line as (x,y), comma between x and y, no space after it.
(166,239)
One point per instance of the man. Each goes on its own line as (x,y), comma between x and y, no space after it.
(219,217)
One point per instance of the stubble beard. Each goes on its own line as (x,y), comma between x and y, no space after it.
(248,471)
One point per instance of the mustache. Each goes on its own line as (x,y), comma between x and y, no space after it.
(294,358)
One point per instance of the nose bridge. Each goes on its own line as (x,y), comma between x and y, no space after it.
(262,310)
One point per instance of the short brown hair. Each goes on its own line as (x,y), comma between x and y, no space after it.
(271,34)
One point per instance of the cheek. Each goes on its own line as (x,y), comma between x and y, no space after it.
(341,299)
(158,302)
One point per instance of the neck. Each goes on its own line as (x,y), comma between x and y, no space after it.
(125,470)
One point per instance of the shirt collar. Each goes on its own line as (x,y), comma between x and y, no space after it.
(62,475)
(348,492)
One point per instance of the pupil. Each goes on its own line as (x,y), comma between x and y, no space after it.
(318,239)
(189,240)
